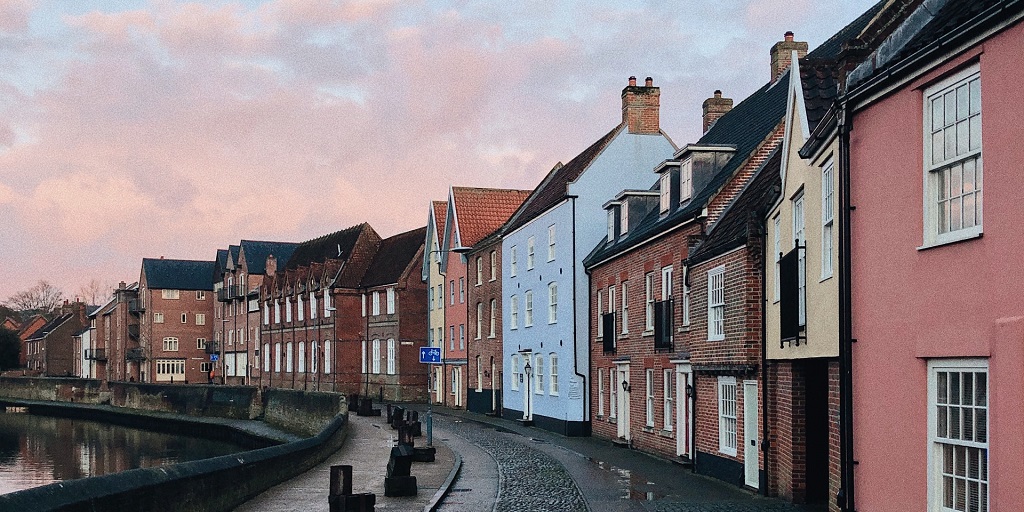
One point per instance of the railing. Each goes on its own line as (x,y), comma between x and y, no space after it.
(133,331)
(135,307)
(235,291)
(135,354)
(96,354)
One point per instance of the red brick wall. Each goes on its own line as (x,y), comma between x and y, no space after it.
(187,332)
(486,348)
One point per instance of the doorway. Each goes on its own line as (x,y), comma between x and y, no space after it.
(684,411)
(457,385)
(751,471)
(816,384)
(622,381)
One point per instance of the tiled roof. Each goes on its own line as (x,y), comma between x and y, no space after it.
(750,206)
(48,327)
(256,253)
(440,215)
(480,211)
(953,15)
(820,81)
(335,245)
(829,50)
(393,256)
(555,185)
(164,274)
(744,127)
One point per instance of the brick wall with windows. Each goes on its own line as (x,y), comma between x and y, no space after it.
(188,304)
(489,347)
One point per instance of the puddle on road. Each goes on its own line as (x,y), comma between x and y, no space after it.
(633,487)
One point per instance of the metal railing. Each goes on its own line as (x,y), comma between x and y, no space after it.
(96,354)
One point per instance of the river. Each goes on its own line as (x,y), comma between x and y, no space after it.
(38,450)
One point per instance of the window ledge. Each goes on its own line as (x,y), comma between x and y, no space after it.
(647,334)
(968,234)
(623,335)
(685,328)
(613,419)
(826,278)
(665,433)
(649,429)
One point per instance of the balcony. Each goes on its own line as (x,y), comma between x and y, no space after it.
(135,307)
(133,331)
(96,354)
(235,291)
(212,347)
(135,354)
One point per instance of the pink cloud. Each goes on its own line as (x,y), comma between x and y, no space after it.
(14,15)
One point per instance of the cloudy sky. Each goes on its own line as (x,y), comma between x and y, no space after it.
(133,129)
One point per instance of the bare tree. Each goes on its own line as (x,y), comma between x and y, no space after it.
(92,292)
(43,298)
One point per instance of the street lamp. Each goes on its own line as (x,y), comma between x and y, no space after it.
(526,389)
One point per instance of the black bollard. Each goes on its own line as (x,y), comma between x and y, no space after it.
(390,417)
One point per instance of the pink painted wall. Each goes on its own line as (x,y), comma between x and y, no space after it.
(959,300)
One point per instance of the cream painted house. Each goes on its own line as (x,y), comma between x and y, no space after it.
(434,279)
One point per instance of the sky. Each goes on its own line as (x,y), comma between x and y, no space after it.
(134,128)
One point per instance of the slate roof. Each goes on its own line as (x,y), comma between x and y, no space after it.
(954,14)
(164,274)
(256,253)
(555,185)
(233,249)
(334,245)
(393,256)
(481,211)
(744,127)
(750,205)
(48,327)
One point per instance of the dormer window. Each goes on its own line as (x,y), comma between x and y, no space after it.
(665,189)
(624,218)
(611,224)
(686,180)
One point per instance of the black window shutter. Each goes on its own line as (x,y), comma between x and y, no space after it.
(608,319)
(789,313)
(663,325)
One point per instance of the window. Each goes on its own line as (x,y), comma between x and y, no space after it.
(375,296)
(200,318)
(170,370)
(600,391)
(958,434)
(777,226)
(462,290)
(553,374)
(800,238)
(827,201)
(493,318)
(953,162)
(665,191)
(289,357)
(515,372)
(170,344)
(479,320)
(440,295)
(314,356)
(538,373)
(327,356)
(158,318)
(266,313)
(301,307)
(611,224)
(462,336)
(666,283)
(266,357)
(479,270)
(364,354)
(312,305)
(494,265)
(685,180)
(513,313)
(716,303)
(727,415)
(611,300)
(625,307)
(650,397)
(528,321)
(551,242)
(302,357)
(231,337)
(613,390)
(479,376)
(277,357)
(552,303)
(451,291)
(512,267)
(390,296)
(391,356)
(623,218)
(529,253)
(430,299)
(668,394)
(184,318)
(169,294)
(200,343)
(288,310)
(600,313)
(200,295)
(649,301)
(375,361)
(277,312)
(451,341)
(327,303)
(363,304)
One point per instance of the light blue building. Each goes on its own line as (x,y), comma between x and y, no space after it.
(545,289)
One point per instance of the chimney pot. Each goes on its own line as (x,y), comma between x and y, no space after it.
(648,82)
(714,108)
(632,81)
(641,107)
(789,35)
(718,93)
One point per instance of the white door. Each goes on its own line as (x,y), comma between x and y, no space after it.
(623,402)
(457,385)
(684,412)
(750,433)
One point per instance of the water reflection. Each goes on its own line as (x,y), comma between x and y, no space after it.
(38,450)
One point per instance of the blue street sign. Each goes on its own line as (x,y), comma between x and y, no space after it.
(214,357)
(430,354)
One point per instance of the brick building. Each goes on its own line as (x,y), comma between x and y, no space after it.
(51,348)
(176,308)
(114,332)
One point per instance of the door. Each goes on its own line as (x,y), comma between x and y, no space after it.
(494,388)
(684,411)
(623,402)
(457,385)
(750,466)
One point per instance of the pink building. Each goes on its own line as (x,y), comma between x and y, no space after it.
(937,318)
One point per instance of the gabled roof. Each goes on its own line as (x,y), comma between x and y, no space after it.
(164,274)
(48,327)
(480,211)
(747,208)
(256,252)
(555,185)
(337,245)
(744,127)
(393,256)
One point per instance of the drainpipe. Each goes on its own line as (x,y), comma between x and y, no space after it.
(765,444)
(575,321)
(845,498)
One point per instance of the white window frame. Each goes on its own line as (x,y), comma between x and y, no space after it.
(944,441)
(479,376)
(479,320)
(313,356)
(365,355)
(451,291)
(200,318)
(513,265)
(375,361)
(685,180)
(493,319)
(390,299)
(392,356)
(727,414)
(551,242)
(462,336)
(613,397)
(970,152)
(451,336)
(529,253)
(800,236)
(184,318)
(668,393)
(600,391)
(158,318)
(312,305)
(266,357)
(552,303)
(827,218)
(462,290)
(649,302)
(553,374)
(266,313)
(665,192)
(287,309)
(200,343)
(277,311)
(277,357)
(777,255)
(625,307)
(716,303)
(170,344)
(528,314)
(430,299)
(302,357)
(479,270)
(611,224)
(289,357)
(538,373)
(301,307)
(494,265)
(363,304)
(649,388)
(513,313)
(201,295)
(514,362)
(623,218)
(600,313)
(170,294)
(327,356)
(327,303)
(375,303)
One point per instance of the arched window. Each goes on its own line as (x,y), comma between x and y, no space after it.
(266,357)
(302,357)
(376,357)
(391,357)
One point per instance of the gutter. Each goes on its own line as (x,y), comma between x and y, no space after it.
(575,322)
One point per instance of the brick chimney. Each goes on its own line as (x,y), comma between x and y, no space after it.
(715,107)
(640,107)
(782,54)
(271,267)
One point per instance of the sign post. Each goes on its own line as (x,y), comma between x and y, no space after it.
(430,355)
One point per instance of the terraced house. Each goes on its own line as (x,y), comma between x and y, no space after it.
(545,289)
(431,275)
